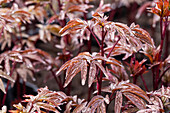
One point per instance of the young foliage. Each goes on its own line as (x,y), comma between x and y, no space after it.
(81,62)
(123,53)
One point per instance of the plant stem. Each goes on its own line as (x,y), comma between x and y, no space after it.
(144,83)
(20,39)
(166,45)
(89,93)
(112,14)
(113,46)
(163,32)
(99,83)
(90,89)
(18,87)
(110,99)
(85,16)
(12,70)
(51,6)
(163,73)
(134,79)
(24,88)
(69,89)
(58,82)
(94,37)
(59,5)
(1,32)
(153,76)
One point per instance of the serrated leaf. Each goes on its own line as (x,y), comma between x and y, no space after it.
(80,107)
(97,102)
(79,8)
(136,90)
(143,35)
(47,107)
(54,29)
(83,72)
(34,57)
(118,102)
(63,67)
(73,71)
(71,24)
(4,75)
(2,86)
(7,65)
(92,73)
(138,102)
(101,68)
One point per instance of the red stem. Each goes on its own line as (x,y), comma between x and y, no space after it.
(58,81)
(24,88)
(166,45)
(20,40)
(1,32)
(134,79)
(113,46)
(99,83)
(153,75)
(59,5)
(163,32)
(18,88)
(69,89)
(91,88)
(89,93)
(94,37)
(144,82)
(12,70)
(112,14)
(85,16)
(163,74)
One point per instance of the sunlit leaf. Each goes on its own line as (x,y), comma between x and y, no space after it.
(2,86)
(138,102)
(118,102)
(92,73)
(83,72)
(96,103)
